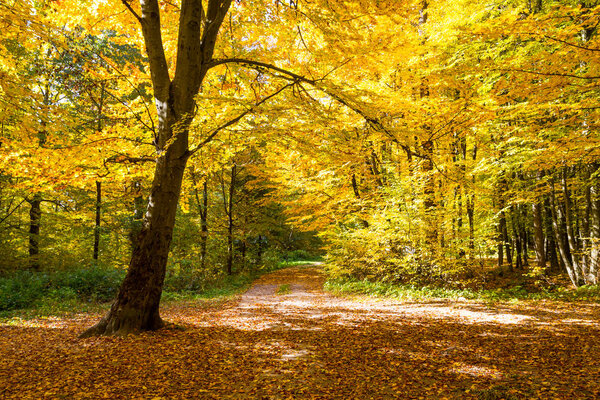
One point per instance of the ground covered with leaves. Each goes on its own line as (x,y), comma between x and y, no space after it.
(286,338)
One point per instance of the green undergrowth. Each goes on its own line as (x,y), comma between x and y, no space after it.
(413,292)
(28,294)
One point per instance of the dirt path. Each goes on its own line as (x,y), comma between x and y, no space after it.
(309,345)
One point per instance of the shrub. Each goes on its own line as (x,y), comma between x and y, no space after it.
(94,283)
(22,290)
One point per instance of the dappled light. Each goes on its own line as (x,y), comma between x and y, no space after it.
(310,344)
(300,199)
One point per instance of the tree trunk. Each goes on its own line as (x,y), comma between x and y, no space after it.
(471,209)
(136,307)
(259,250)
(538,234)
(97,226)
(551,249)
(427,147)
(204,224)
(35,216)
(230,221)
(138,213)
(503,239)
(203,210)
(595,234)
(524,232)
(518,239)
(571,239)
(98,183)
(560,237)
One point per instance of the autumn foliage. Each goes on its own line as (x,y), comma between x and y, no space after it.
(414,142)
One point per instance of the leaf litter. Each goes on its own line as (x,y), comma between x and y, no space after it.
(307,344)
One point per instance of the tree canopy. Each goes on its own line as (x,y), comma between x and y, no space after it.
(417,141)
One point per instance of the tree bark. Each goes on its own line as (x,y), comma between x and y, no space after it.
(571,239)
(97,226)
(35,217)
(203,211)
(559,236)
(538,234)
(136,307)
(229,210)
(98,183)
(595,234)
(471,209)
(204,224)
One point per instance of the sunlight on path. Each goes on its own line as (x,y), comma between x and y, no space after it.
(287,339)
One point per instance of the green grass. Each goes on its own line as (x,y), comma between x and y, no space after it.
(412,292)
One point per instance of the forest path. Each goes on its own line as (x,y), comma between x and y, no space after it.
(307,344)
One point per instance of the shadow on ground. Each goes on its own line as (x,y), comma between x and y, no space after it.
(307,344)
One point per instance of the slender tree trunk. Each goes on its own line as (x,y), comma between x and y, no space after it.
(471,206)
(427,148)
(138,213)
(506,241)
(203,210)
(503,239)
(518,240)
(204,224)
(259,250)
(35,217)
(595,234)
(571,239)
(524,232)
(35,211)
(551,247)
(230,221)
(98,183)
(560,239)
(97,226)
(538,234)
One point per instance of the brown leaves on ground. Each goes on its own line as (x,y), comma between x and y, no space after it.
(309,345)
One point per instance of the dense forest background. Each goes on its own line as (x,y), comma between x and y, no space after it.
(406,142)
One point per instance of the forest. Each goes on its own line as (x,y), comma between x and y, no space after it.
(285,188)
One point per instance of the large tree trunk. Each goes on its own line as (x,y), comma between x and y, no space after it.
(136,307)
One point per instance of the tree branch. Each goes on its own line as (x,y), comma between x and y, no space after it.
(261,66)
(11,212)
(550,74)
(131,10)
(238,118)
(159,71)
(571,44)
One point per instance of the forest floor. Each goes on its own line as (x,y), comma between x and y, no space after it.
(287,339)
